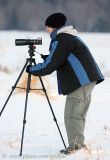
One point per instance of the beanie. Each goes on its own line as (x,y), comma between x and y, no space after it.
(56,20)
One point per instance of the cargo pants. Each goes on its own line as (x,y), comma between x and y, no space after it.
(76,107)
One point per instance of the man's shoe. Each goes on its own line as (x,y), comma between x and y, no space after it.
(68,151)
(78,147)
(71,150)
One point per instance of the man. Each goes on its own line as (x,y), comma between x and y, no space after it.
(77,74)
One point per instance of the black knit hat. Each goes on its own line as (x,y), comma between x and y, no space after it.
(56,20)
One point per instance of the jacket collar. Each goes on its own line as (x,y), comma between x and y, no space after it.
(64,29)
(54,33)
(68,30)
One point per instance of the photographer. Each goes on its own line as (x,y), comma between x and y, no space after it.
(77,74)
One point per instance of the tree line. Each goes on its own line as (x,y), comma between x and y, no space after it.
(85,15)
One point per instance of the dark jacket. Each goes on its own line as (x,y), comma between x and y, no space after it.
(72,60)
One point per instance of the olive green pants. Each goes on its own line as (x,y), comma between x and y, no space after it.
(77,104)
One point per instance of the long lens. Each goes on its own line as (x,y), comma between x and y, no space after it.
(22,42)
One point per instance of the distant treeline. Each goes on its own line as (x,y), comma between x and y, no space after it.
(85,15)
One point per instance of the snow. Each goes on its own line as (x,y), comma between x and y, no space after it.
(41,137)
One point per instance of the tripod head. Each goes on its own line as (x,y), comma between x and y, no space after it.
(31,54)
(31,50)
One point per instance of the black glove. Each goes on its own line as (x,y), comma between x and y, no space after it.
(28,68)
(44,57)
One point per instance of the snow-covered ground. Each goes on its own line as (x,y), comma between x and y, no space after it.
(41,138)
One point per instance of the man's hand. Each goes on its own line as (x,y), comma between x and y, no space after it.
(28,68)
(44,57)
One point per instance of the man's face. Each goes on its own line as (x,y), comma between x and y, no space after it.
(49,29)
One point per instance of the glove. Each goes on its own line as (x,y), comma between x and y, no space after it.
(44,57)
(28,68)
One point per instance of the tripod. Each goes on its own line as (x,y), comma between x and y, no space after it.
(31,61)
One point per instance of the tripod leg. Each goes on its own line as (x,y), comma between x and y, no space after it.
(13,88)
(26,101)
(52,111)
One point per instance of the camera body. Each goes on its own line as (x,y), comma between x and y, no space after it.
(22,42)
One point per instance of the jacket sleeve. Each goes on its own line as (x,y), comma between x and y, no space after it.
(56,58)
